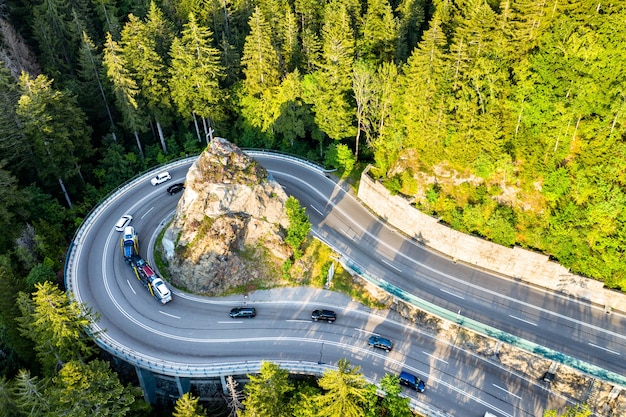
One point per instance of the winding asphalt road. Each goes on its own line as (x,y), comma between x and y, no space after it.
(196,331)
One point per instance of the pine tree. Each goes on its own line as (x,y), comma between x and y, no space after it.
(56,325)
(56,129)
(188,406)
(234,397)
(379,33)
(57,36)
(330,87)
(89,68)
(411,15)
(88,390)
(260,59)
(345,392)
(125,89)
(147,68)
(394,404)
(266,393)
(195,74)
(29,394)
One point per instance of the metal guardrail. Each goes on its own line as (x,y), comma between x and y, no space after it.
(518,342)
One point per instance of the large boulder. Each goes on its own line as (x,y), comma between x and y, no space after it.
(229,225)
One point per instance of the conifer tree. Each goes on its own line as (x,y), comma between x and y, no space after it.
(330,87)
(411,15)
(56,325)
(188,406)
(29,394)
(260,59)
(345,394)
(57,35)
(147,68)
(88,389)
(89,69)
(379,33)
(56,129)
(125,89)
(195,74)
(266,393)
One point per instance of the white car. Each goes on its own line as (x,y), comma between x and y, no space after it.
(161,178)
(123,222)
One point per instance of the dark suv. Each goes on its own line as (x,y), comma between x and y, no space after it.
(247,312)
(327,315)
(175,188)
(380,343)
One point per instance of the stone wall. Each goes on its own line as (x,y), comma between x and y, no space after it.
(530,267)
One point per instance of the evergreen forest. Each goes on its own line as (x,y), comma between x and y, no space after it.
(506,119)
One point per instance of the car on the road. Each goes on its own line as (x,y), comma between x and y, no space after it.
(325,315)
(123,222)
(247,312)
(161,178)
(412,381)
(175,188)
(380,343)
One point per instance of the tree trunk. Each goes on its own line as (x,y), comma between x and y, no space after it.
(138,144)
(195,122)
(161,137)
(67,196)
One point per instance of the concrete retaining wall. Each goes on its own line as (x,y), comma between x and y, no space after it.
(533,268)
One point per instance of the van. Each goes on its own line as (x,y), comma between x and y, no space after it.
(247,312)
(412,381)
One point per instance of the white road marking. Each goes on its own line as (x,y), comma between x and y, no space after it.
(131,287)
(452,294)
(235,322)
(366,331)
(299,321)
(316,210)
(389,264)
(434,357)
(168,314)
(525,321)
(507,391)
(151,208)
(603,348)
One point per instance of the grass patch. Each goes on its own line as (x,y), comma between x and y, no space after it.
(312,270)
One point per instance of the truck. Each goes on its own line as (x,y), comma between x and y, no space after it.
(150,279)
(129,243)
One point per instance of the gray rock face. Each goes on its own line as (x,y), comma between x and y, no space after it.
(229,225)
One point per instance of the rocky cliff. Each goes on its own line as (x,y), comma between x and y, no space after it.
(229,224)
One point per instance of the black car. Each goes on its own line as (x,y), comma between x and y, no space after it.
(175,188)
(247,312)
(327,315)
(380,343)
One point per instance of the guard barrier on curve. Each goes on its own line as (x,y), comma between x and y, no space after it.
(587,368)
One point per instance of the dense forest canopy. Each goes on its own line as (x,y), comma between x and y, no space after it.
(506,119)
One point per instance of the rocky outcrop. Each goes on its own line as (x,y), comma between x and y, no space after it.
(229,225)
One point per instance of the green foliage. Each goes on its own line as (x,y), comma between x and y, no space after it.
(340,156)
(299,226)
(580,410)
(39,274)
(86,390)
(188,406)
(345,394)
(267,393)
(393,404)
(55,325)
